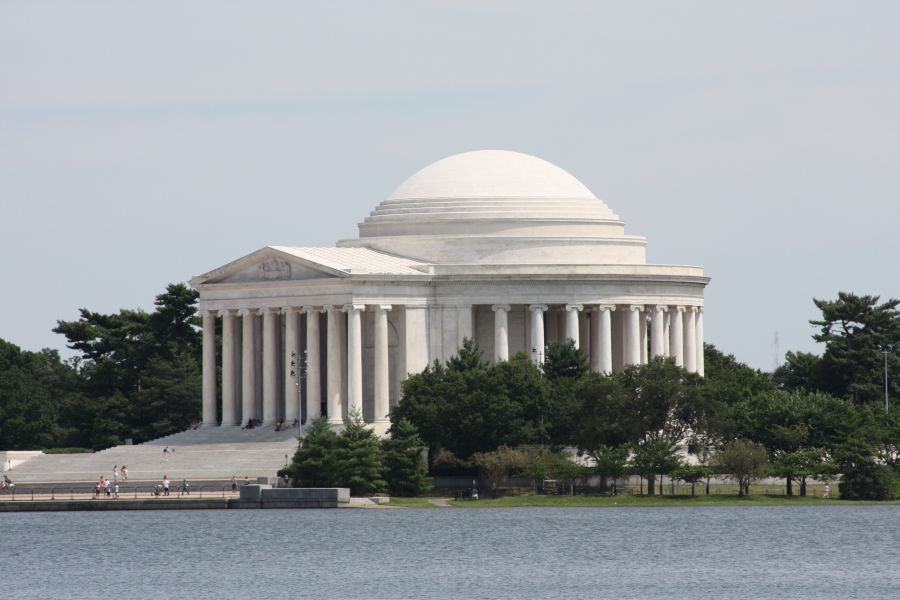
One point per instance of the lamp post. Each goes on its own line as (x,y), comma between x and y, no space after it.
(885,349)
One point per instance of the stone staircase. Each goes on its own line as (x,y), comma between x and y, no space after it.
(211,453)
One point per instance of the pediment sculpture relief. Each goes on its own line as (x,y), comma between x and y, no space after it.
(274,269)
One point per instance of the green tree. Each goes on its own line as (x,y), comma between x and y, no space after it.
(406,467)
(36,392)
(564,361)
(690,474)
(358,458)
(744,461)
(602,424)
(146,362)
(314,463)
(667,405)
(852,328)
(468,406)
(498,465)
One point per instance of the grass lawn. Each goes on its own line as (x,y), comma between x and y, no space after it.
(699,500)
(411,502)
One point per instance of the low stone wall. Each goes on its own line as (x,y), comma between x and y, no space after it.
(84,505)
(265,496)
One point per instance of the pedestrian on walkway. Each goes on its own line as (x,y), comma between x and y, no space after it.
(124,473)
(116,491)
(233,484)
(115,473)
(165,485)
(166,454)
(184,488)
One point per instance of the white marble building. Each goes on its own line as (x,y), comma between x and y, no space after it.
(498,246)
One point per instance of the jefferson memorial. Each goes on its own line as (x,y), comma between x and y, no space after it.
(497,246)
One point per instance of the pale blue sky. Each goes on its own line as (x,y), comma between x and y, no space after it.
(142,143)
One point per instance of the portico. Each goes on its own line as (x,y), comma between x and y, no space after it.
(499,247)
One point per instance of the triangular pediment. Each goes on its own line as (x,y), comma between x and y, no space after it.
(269,265)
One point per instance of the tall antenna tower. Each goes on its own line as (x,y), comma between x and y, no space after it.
(776,347)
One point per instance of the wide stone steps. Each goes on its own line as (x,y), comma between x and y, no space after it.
(212,454)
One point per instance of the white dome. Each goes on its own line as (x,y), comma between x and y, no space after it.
(497,205)
(491,174)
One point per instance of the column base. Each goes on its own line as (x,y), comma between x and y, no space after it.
(380,427)
(336,424)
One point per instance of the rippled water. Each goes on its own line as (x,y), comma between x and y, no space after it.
(661,553)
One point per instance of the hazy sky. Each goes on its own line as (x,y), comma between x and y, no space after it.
(142,143)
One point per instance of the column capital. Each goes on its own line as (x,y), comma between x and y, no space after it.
(247,312)
(382,307)
(286,310)
(347,308)
(678,308)
(540,307)
(576,307)
(603,307)
(267,310)
(226,312)
(660,307)
(636,307)
(312,309)
(206,313)
(503,307)
(692,309)
(699,310)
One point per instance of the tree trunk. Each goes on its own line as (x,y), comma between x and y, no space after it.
(603,484)
(693,485)
(707,486)
(651,484)
(803,487)
(790,486)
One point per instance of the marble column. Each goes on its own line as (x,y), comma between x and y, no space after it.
(248,365)
(601,332)
(293,374)
(657,331)
(667,320)
(354,358)
(382,374)
(700,357)
(270,368)
(229,376)
(584,333)
(313,365)
(676,335)
(633,335)
(643,326)
(690,339)
(537,333)
(572,311)
(501,332)
(334,384)
(209,367)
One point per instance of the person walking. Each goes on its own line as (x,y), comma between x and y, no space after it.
(115,473)
(233,484)
(165,485)
(124,473)
(825,490)
(166,454)
(184,488)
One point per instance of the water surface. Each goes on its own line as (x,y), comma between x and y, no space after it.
(819,552)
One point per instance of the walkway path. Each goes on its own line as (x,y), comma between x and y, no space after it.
(441,502)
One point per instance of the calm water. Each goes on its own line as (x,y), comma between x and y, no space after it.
(660,553)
